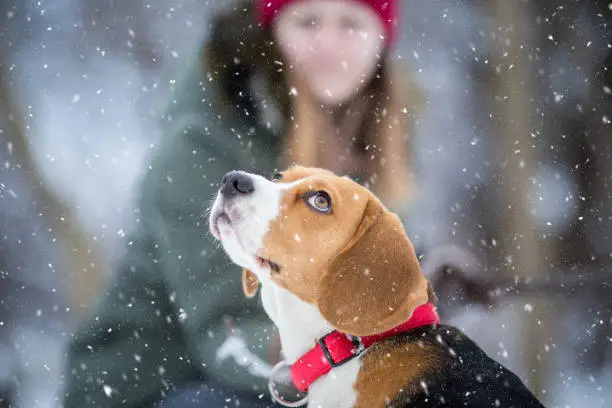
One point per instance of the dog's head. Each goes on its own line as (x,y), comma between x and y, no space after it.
(324,238)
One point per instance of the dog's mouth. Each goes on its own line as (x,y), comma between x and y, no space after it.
(267,264)
(215,224)
(262,262)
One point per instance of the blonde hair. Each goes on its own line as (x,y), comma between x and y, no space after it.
(380,127)
(380,119)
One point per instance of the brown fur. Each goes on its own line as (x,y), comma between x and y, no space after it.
(391,368)
(250,283)
(365,277)
(299,227)
(375,282)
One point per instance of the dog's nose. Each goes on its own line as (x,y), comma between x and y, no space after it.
(236,183)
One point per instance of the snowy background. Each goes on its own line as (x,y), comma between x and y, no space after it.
(91,79)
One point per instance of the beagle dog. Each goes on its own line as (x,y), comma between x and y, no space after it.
(341,281)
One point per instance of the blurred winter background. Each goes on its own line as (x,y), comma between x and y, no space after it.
(513,158)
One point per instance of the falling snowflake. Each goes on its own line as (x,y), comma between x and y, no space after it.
(107,390)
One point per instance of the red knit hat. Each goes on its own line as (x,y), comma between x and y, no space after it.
(267,10)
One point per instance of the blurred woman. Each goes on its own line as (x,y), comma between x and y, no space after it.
(278,82)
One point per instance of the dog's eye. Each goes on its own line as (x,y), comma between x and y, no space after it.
(277,176)
(320,201)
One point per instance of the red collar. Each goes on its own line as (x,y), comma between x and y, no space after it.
(335,349)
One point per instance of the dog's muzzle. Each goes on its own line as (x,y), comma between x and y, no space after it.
(234,184)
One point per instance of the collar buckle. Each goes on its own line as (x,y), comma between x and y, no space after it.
(358,348)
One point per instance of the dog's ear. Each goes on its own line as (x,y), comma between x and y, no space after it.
(250,283)
(375,283)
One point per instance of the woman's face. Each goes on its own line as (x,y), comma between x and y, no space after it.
(333,46)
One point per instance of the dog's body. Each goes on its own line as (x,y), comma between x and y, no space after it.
(330,258)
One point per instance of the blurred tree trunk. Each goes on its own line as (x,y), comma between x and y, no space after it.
(597,181)
(578,131)
(517,137)
(84,256)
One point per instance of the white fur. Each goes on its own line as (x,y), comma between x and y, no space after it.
(299,323)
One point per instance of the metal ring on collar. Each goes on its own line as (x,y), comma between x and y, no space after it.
(276,395)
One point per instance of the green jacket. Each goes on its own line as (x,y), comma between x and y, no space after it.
(164,320)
